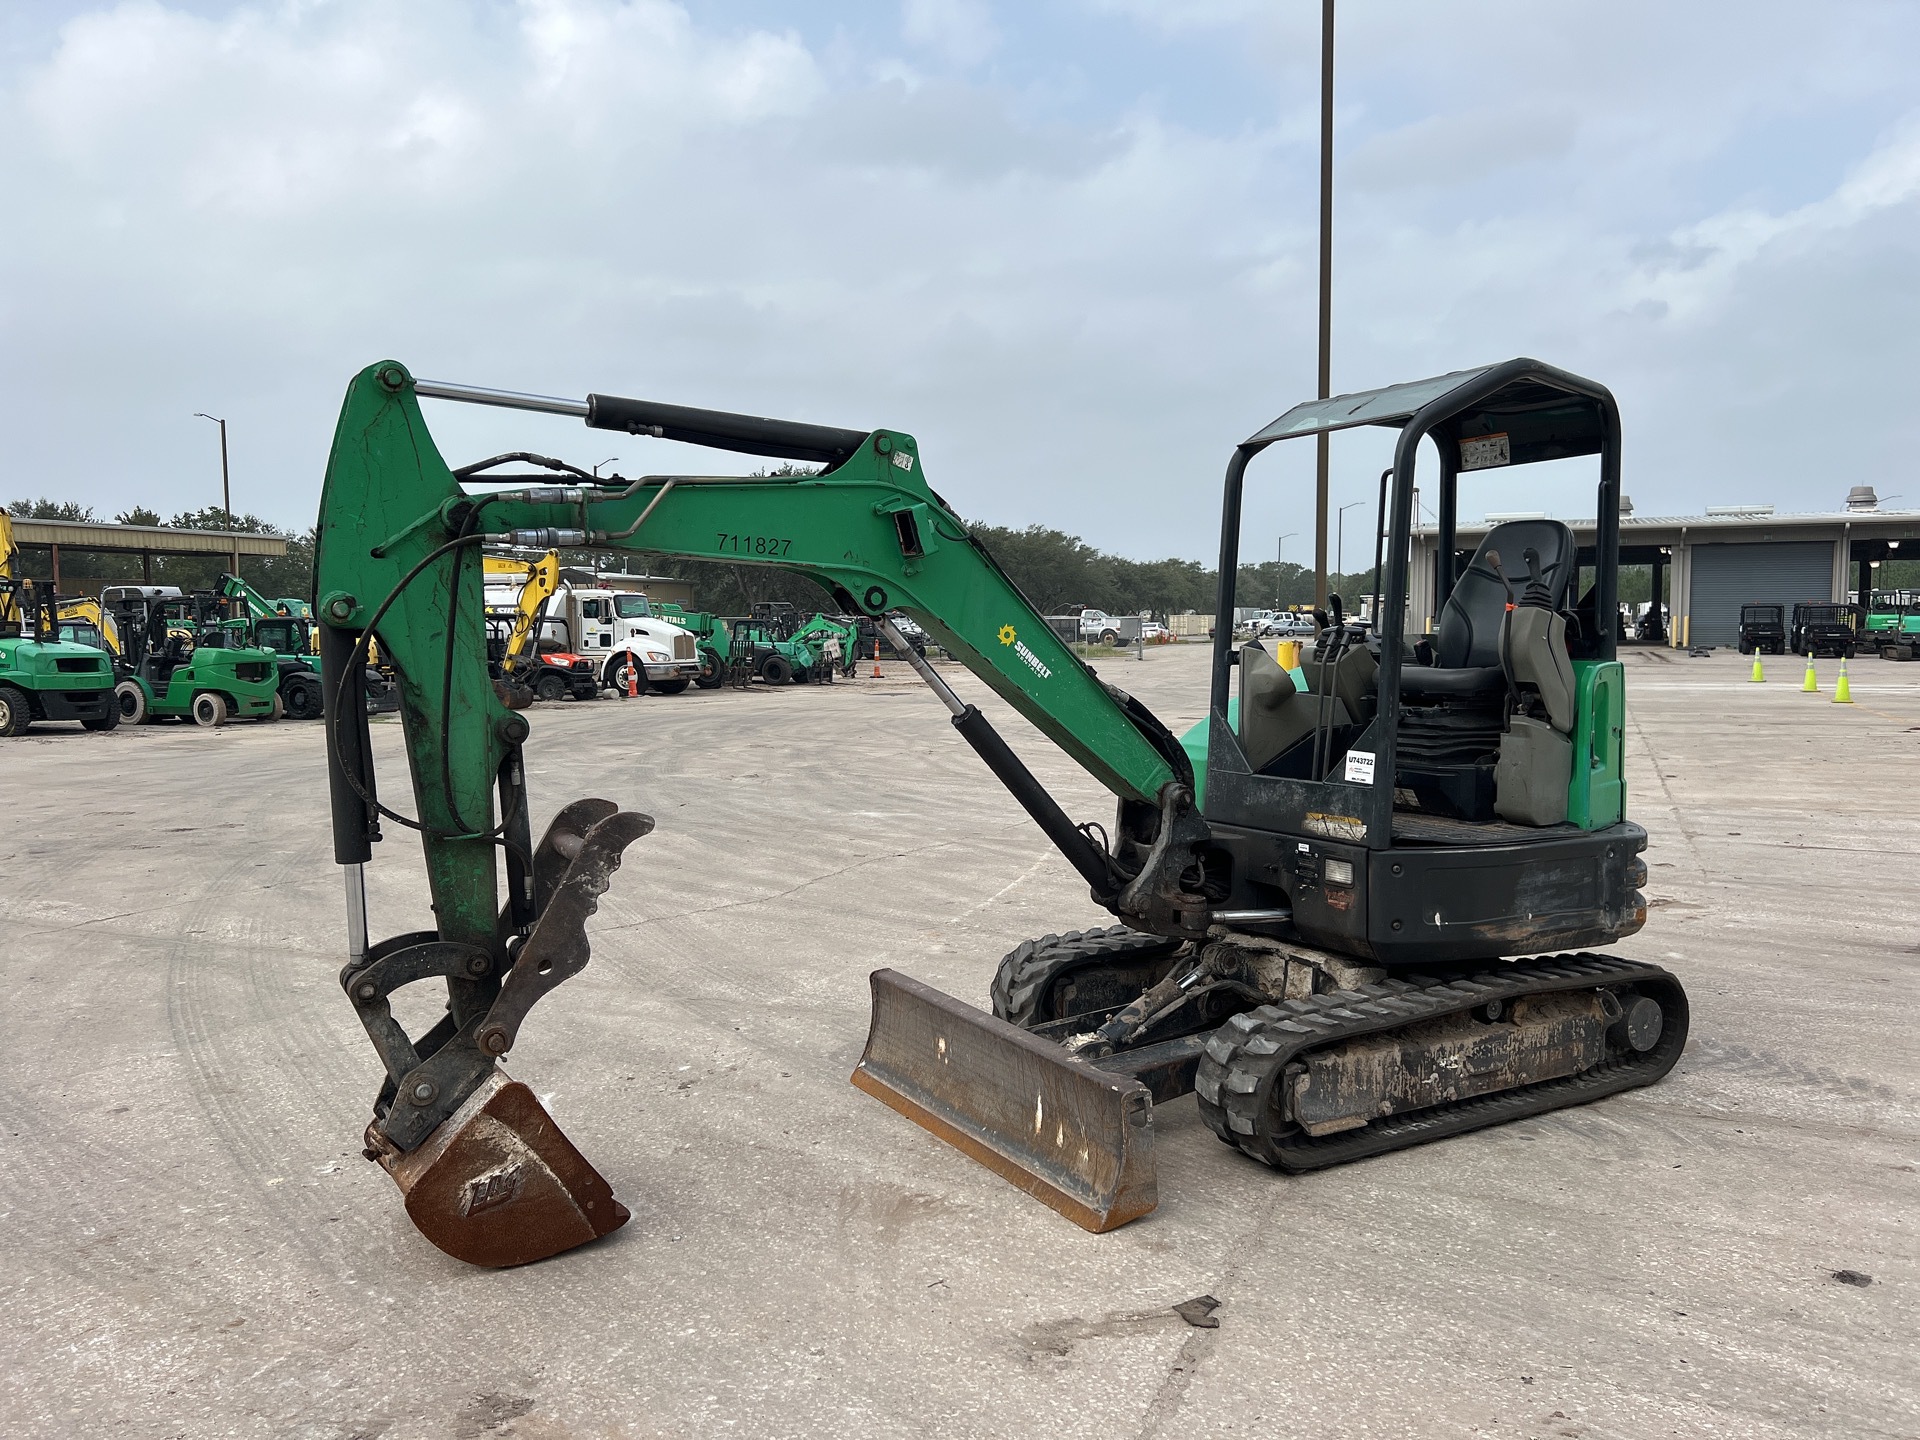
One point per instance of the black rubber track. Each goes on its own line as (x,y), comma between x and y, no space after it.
(1245,1058)
(1024,982)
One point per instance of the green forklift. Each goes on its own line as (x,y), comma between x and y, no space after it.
(286,627)
(172,668)
(41,676)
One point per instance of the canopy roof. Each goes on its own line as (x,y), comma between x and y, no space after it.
(1541,413)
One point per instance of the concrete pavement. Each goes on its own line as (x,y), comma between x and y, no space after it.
(195,1248)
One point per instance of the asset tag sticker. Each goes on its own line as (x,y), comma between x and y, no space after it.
(1360,767)
(1483,452)
(905,461)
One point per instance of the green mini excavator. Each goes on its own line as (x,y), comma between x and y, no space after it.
(1356,907)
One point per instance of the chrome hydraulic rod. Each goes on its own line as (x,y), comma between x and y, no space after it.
(506,399)
(356,913)
(921,668)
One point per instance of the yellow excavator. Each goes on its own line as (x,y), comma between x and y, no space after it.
(83,622)
(536,580)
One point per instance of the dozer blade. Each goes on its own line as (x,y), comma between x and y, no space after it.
(497,1184)
(1069,1134)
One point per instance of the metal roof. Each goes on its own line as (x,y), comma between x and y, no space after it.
(1901,522)
(149,539)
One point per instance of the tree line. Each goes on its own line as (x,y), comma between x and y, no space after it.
(1052,569)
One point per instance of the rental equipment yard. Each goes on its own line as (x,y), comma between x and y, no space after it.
(196,1247)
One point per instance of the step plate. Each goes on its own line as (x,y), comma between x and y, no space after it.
(1071,1135)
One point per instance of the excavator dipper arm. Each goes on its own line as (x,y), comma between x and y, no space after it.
(488,1176)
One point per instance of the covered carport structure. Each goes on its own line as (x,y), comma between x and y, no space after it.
(1708,566)
(50,537)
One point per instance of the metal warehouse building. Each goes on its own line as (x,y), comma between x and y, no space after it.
(1710,565)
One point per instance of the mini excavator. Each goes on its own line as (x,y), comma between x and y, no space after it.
(1357,906)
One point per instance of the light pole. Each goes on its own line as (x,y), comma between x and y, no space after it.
(1340,530)
(1279,559)
(1326,299)
(226,485)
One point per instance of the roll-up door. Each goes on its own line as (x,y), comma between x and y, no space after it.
(1725,577)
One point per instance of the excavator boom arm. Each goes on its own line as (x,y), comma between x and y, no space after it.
(399,537)
(530,606)
(400,557)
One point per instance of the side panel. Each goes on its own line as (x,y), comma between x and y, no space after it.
(1597,794)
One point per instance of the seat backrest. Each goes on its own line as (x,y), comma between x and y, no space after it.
(1534,652)
(1470,621)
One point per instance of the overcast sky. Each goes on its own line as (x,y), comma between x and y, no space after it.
(1069,244)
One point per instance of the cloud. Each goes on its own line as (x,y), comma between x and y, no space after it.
(960,31)
(1079,274)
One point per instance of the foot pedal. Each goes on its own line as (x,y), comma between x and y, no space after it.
(1071,1135)
(498,1184)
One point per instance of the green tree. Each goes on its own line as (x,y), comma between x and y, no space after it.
(45,509)
(138,515)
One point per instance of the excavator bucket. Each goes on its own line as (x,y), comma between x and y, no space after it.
(1069,1134)
(497,1184)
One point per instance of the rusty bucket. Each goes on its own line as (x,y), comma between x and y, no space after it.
(498,1184)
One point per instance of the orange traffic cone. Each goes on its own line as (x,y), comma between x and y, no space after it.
(876,659)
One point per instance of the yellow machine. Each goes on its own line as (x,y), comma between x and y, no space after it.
(538,580)
(77,613)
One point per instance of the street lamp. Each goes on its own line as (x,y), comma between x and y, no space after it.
(1279,559)
(608,461)
(226,485)
(1340,529)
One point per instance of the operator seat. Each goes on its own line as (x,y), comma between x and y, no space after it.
(1499,653)
(1466,650)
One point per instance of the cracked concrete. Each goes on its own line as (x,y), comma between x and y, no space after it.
(194,1246)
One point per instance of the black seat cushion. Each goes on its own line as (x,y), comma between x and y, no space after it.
(1434,682)
(1469,635)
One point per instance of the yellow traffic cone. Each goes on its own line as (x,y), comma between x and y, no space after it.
(1842,691)
(1759,675)
(1810,685)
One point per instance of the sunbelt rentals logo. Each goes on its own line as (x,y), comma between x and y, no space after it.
(1010,636)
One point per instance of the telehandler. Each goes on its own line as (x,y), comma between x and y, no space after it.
(1318,889)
